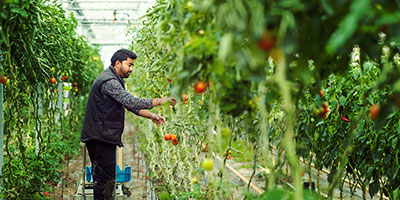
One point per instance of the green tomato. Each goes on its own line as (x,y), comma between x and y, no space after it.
(208,164)
(190,6)
(225,132)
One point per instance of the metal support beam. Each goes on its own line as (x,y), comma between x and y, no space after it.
(59,103)
(110,44)
(107,20)
(40,113)
(1,135)
(106,23)
(103,9)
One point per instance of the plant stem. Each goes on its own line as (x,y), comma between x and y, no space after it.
(288,139)
(262,91)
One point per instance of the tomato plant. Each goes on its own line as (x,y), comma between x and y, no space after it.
(270,89)
(38,45)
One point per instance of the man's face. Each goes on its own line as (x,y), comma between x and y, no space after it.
(125,68)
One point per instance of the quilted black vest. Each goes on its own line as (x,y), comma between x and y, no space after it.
(104,117)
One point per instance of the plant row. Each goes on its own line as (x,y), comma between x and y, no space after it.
(42,60)
(274,75)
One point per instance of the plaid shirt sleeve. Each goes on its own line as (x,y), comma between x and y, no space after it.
(113,89)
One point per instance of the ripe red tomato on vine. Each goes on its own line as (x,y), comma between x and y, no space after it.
(3,79)
(53,183)
(200,87)
(53,80)
(321,93)
(185,97)
(173,137)
(167,136)
(374,111)
(267,41)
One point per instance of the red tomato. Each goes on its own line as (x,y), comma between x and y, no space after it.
(321,93)
(173,137)
(200,87)
(167,136)
(175,142)
(3,79)
(267,41)
(374,111)
(53,183)
(53,80)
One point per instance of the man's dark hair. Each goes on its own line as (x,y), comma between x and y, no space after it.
(121,55)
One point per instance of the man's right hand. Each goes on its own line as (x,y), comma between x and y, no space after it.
(161,101)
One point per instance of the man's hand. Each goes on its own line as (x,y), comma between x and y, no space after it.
(161,101)
(157,119)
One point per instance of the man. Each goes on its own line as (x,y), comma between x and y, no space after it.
(104,119)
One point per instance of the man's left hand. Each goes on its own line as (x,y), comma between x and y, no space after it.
(157,119)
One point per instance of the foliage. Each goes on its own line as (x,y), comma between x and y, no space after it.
(266,62)
(39,42)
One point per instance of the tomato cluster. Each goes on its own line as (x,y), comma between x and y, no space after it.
(172,137)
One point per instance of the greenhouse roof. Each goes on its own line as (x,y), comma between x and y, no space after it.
(106,22)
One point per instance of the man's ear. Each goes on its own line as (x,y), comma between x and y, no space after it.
(117,63)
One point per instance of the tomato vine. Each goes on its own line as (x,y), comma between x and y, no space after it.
(40,51)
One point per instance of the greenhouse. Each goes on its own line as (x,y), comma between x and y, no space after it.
(200,99)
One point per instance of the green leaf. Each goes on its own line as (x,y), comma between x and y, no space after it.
(396,194)
(274,194)
(327,7)
(19,11)
(348,26)
(374,188)
(342,100)
(396,86)
(394,142)
(225,48)
(218,68)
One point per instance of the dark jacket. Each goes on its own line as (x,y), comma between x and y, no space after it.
(104,117)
